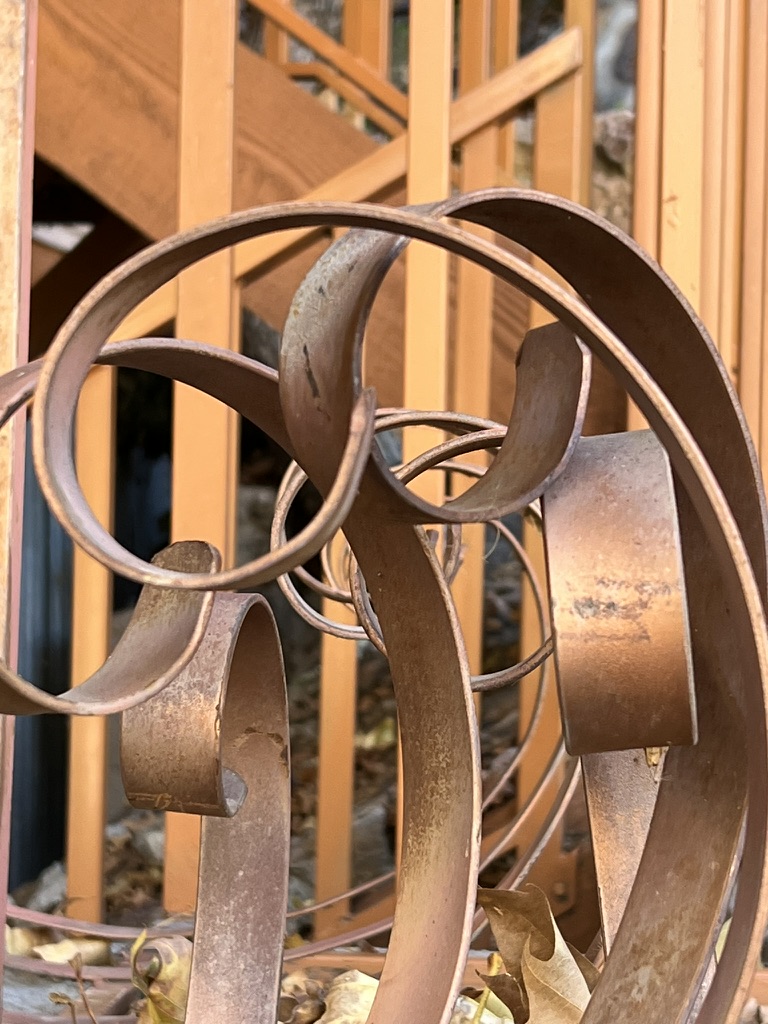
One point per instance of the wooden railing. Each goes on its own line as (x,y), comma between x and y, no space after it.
(556,80)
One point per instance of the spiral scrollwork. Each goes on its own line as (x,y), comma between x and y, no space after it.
(711,813)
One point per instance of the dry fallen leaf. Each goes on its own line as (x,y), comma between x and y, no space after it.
(160,969)
(557,991)
(301,999)
(546,981)
(22,941)
(469,1011)
(721,940)
(381,737)
(93,952)
(349,999)
(350,996)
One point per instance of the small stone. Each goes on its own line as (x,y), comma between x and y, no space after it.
(51,889)
(750,1012)
(149,843)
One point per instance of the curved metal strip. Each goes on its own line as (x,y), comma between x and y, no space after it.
(551,395)
(165,630)
(81,338)
(619,615)
(216,742)
(333,303)
(250,388)
(639,303)
(621,790)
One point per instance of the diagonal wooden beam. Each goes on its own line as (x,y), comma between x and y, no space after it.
(108,114)
(484,105)
(357,70)
(347,90)
(487,104)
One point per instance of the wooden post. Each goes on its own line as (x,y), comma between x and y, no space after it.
(18,39)
(91,622)
(337,715)
(425,359)
(722,175)
(563,145)
(428,179)
(474,321)
(650,36)
(275,42)
(505,45)
(682,147)
(732,208)
(562,165)
(367,31)
(205,442)
(755,263)
(366,35)
(688,140)
(648,143)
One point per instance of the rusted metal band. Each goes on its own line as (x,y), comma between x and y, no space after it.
(619,612)
(216,742)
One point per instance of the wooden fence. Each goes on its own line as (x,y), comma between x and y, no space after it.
(435,142)
(701,173)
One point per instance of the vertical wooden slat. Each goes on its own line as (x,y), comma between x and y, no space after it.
(722,169)
(18,39)
(713,163)
(275,41)
(367,30)
(505,41)
(428,179)
(733,187)
(205,446)
(646,206)
(761,336)
(91,621)
(336,767)
(425,358)
(563,146)
(582,14)
(471,391)
(755,207)
(562,160)
(650,77)
(682,147)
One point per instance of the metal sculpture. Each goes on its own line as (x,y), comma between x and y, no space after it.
(656,548)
